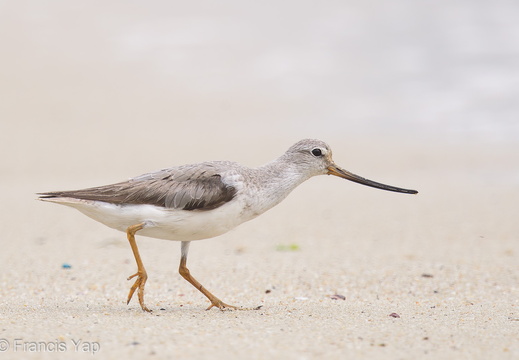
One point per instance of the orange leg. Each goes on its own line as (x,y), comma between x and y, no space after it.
(184,271)
(141,271)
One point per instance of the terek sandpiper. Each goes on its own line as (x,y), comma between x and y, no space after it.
(200,201)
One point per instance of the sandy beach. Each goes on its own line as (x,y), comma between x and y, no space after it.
(337,270)
(444,261)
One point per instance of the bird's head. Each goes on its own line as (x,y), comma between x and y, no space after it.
(315,156)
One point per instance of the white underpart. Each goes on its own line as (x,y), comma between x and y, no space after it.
(162,223)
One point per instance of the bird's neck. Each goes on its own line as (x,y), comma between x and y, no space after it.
(281,177)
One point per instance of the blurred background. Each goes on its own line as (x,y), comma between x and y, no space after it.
(415,94)
(128,81)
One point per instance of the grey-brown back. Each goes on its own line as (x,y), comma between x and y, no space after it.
(188,187)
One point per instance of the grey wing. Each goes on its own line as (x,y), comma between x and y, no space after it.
(195,187)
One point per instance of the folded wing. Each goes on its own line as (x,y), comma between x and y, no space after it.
(190,187)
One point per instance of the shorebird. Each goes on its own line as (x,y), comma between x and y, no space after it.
(201,201)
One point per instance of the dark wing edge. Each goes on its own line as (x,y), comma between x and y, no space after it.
(114,193)
(199,193)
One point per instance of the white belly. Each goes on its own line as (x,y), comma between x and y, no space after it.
(162,223)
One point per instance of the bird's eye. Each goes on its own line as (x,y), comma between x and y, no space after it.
(317,152)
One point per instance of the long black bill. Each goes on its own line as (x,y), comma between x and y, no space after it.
(337,171)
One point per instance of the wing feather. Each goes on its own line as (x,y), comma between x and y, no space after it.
(190,187)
